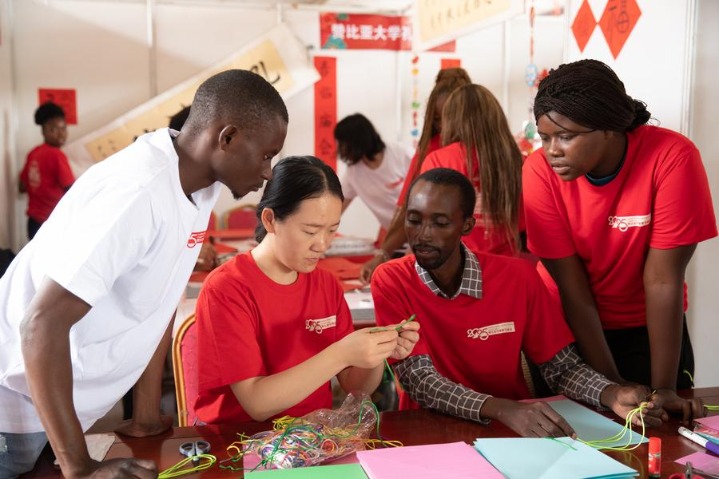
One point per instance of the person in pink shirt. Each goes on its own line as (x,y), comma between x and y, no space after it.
(614,209)
(47,174)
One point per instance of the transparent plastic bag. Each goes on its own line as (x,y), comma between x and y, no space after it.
(322,435)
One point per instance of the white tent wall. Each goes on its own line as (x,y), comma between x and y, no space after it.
(703,273)
(118,54)
(8,185)
(669,61)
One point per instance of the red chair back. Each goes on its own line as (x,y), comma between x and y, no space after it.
(242,217)
(184,361)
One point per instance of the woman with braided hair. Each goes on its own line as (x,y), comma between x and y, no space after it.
(614,210)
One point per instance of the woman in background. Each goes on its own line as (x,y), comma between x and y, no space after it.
(480,145)
(446,82)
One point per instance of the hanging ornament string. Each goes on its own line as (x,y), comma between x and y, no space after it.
(415,101)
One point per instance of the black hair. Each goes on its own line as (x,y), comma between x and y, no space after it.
(295,179)
(357,138)
(179,119)
(239,96)
(590,93)
(47,111)
(449,177)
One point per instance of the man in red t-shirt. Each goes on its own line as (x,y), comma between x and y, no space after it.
(47,174)
(478,311)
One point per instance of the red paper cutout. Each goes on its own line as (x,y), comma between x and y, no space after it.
(450,63)
(64,98)
(617,23)
(449,47)
(583,25)
(326,110)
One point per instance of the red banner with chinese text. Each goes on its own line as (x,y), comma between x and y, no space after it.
(326,110)
(365,32)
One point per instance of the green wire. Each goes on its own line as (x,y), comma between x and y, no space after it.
(178,469)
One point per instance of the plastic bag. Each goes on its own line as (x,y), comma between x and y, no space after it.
(317,437)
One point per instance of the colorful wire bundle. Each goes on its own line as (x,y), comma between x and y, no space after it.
(296,442)
(205,462)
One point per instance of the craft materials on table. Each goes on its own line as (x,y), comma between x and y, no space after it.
(702,463)
(594,429)
(314,438)
(455,460)
(550,458)
(699,439)
(198,459)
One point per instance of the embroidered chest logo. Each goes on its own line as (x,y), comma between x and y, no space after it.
(623,223)
(198,237)
(487,331)
(319,325)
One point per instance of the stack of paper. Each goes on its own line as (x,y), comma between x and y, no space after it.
(456,460)
(544,458)
(708,427)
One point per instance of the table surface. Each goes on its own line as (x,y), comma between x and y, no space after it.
(409,427)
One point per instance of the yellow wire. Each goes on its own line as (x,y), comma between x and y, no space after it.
(206,461)
(602,444)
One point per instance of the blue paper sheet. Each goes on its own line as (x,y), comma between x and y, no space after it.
(592,426)
(543,458)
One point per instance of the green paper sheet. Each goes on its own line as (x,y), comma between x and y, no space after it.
(344,471)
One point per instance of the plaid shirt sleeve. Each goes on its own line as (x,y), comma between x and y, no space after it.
(567,374)
(430,389)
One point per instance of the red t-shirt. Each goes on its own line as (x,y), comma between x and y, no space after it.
(660,199)
(435,143)
(46,176)
(454,156)
(249,326)
(477,342)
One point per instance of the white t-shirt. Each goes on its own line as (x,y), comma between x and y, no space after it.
(379,188)
(124,239)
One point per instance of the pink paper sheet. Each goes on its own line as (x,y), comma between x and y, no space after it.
(457,460)
(711,421)
(702,462)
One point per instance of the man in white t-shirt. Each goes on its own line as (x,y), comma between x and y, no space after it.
(375,169)
(86,307)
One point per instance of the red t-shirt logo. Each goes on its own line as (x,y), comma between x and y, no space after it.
(196,238)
